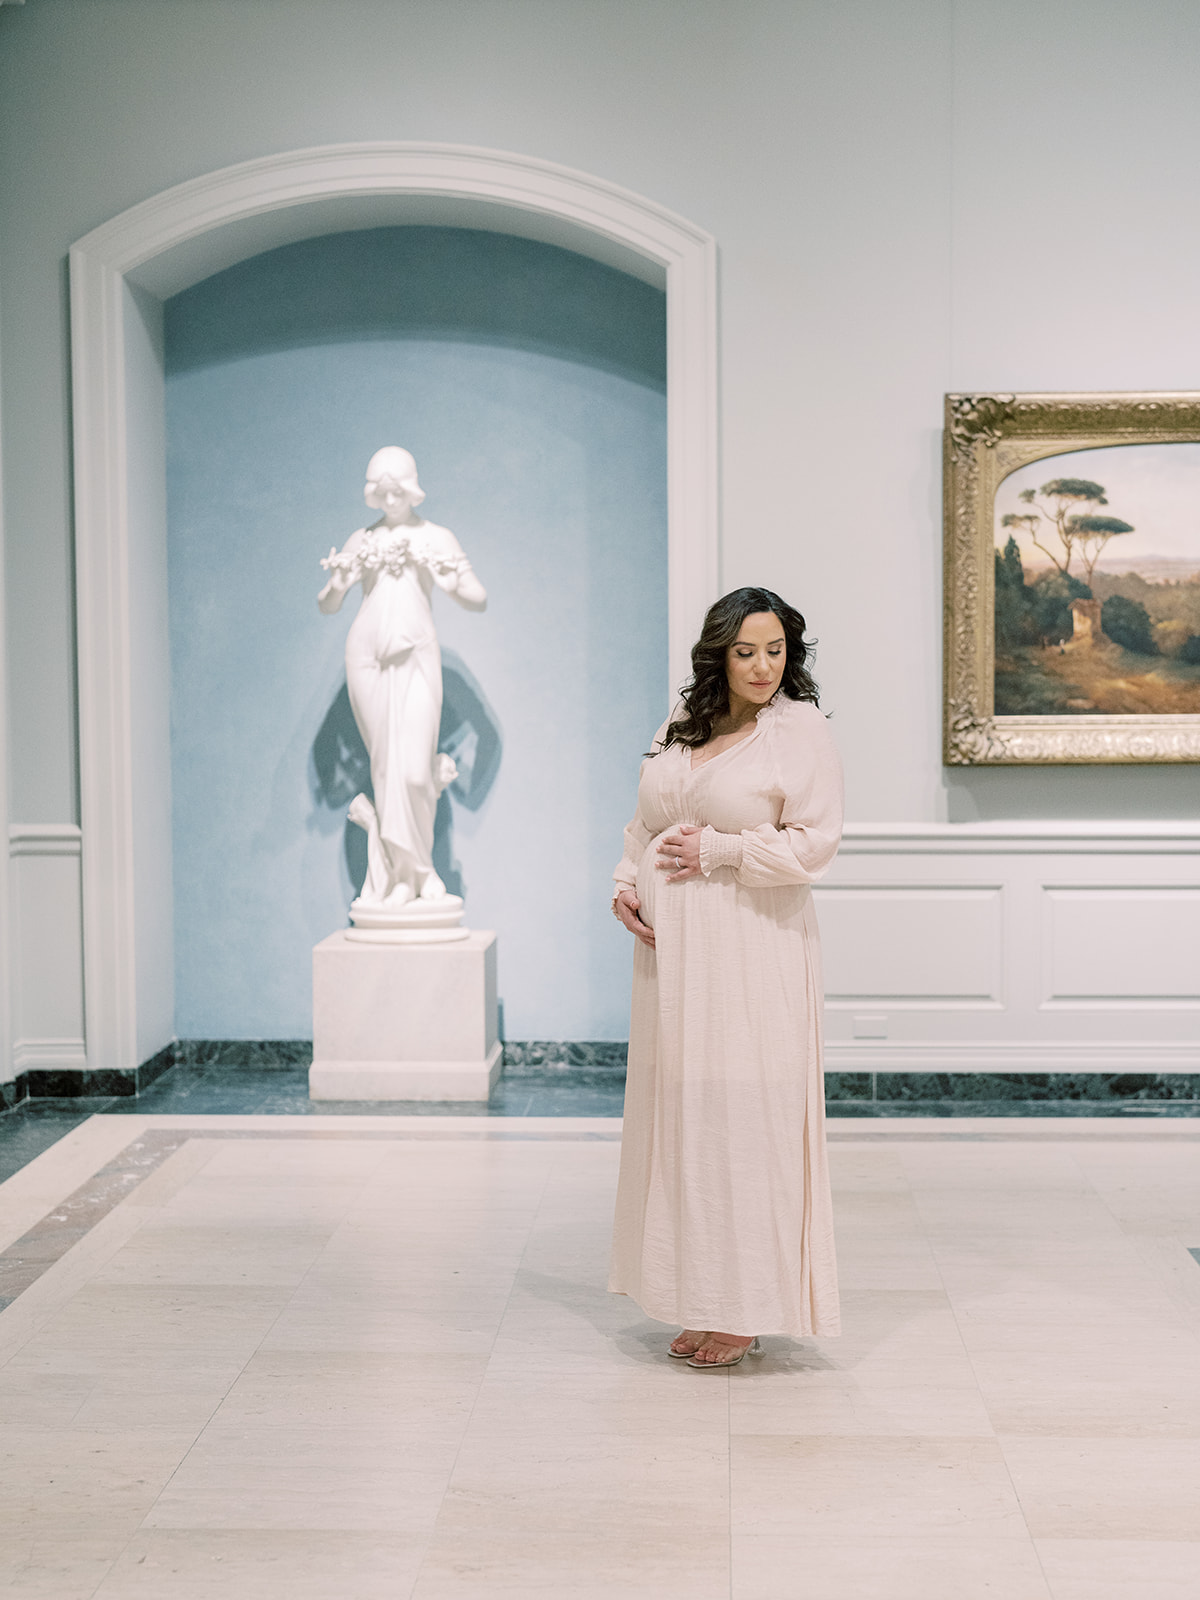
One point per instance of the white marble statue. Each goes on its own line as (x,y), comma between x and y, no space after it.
(394,676)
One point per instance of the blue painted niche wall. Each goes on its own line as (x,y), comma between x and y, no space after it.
(529,383)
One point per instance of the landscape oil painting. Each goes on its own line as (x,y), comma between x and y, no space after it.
(1071,578)
(1097,583)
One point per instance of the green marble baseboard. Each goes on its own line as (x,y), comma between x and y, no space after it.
(601,1064)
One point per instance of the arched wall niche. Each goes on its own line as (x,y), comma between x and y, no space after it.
(120,275)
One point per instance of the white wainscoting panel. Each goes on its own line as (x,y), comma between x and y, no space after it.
(1133,946)
(47,947)
(1013,947)
(902,945)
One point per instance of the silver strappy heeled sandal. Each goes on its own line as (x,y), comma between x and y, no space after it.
(752,1349)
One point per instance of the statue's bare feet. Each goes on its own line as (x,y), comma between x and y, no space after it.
(433,888)
(399,895)
(688,1342)
(722,1349)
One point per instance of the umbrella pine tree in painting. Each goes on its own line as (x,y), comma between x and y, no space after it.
(1086,533)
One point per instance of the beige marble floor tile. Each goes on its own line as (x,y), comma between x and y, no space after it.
(480,1243)
(634,1558)
(1168,1260)
(605,1470)
(1157,1162)
(758,1405)
(306,1477)
(164,1254)
(57,1565)
(383,1317)
(868,1263)
(425,1211)
(853,1487)
(587,1397)
(855,1168)
(1081,1367)
(1121,1569)
(106,1364)
(291,1205)
(635,1346)
(876,1214)
(1166,1213)
(547,1312)
(1023,1220)
(581,1261)
(972,1167)
(418,1192)
(408,1262)
(1127,1339)
(433,1292)
(593,1515)
(33,1399)
(267,1162)
(492,1173)
(177,1395)
(911,1337)
(264,1564)
(83,1482)
(404,1331)
(1040,1396)
(139,1321)
(1040,1301)
(971,1265)
(1125,1488)
(1046,1309)
(871,1568)
(377,1393)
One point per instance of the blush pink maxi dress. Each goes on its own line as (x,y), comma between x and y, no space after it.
(724,1217)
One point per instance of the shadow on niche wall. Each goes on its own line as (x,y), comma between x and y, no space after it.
(469,732)
(444,284)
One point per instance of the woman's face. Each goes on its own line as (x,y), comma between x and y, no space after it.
(390,497)
(755,660)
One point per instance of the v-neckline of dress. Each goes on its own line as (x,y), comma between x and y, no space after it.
(737,744)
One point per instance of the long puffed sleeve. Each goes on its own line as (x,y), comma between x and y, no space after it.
(637,837)
(637,834)
(808,775)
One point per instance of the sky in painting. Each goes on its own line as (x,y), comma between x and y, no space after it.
(1156,487)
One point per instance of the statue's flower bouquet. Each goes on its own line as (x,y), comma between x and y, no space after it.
(391,553)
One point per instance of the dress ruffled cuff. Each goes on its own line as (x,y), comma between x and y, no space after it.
(719,850)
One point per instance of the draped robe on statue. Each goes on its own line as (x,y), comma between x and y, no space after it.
(394,678)
(724,1217)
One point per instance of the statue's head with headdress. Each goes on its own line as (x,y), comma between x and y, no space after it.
(392,476)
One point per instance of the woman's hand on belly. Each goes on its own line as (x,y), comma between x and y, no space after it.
(679,853)
(625,909)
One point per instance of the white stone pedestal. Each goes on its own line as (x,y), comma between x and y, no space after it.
(404,1021)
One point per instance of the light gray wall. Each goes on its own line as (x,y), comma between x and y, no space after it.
(908,195)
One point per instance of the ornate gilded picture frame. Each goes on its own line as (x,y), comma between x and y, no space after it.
(1072,578)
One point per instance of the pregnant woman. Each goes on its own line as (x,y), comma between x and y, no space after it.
(723,1219)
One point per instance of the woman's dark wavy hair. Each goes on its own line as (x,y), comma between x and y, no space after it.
(706,697)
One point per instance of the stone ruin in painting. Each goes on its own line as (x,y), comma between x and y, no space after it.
(1074,635)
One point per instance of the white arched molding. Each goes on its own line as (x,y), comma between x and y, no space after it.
(163,245)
